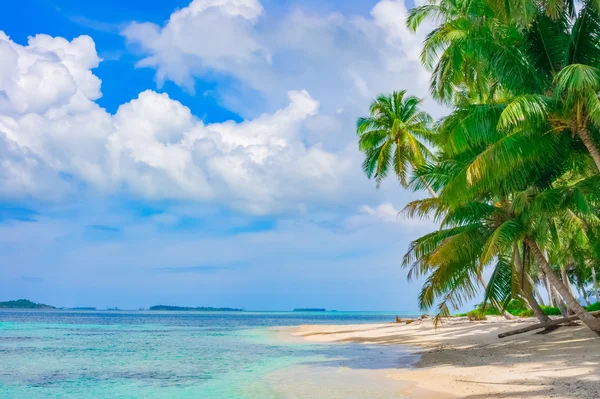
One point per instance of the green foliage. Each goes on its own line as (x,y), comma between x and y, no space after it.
(513,167)
(491,311)
(593,307)
(525,313)
(515,306)
(476,315)
(551,310)
(392,136)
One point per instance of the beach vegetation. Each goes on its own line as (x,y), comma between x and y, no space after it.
(476,315)
(512,170)
(551,310)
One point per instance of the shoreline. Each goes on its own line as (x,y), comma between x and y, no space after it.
(463,359)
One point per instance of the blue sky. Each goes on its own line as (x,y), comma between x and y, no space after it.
(201,153)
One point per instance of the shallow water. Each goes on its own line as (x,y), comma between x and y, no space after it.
(67,354)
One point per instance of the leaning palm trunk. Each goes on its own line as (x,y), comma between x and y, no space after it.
(565,279)
(567,282)
(595,284)
(536,292)
(558,301)
(548,288)
(584,135)
(582,292)
(526,291)
(590,321)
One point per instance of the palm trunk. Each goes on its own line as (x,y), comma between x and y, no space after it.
(495,303)
(582,292)
(536,292)
(595,285)
(590,321)
(526,290)
(584,135)
(565,279)
(548,288)
(560,304)
(567,282)
(535,306)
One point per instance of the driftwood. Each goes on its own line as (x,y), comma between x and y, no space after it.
(552,323)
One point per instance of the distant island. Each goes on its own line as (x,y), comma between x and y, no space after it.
(198,309)
(24,304)
(310,310)
(81,308)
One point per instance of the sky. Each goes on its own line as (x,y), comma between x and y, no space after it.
(201,153)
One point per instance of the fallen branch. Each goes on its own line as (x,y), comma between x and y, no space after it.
(552,323)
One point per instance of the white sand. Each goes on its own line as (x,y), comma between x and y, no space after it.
(465,359)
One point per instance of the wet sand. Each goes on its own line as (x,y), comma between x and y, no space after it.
(461,359)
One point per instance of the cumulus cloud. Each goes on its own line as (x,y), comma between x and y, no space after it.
(317,73)
(342,60)
(47,73)
(54,142)
(206,35)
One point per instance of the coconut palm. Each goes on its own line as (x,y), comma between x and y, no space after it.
(547,68)
(393,136)
(457,254)
(515,177)
(478,234)
(395,127)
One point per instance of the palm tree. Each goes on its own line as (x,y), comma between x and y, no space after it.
(515,178)
(392,137)
(546,66)
(469,240)
(391,134)
(477,234)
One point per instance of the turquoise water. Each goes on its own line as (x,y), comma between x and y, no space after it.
(64,354)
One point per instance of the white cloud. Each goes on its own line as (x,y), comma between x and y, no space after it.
(152,146)
(207,34)
(317,73)
(46,73)
(341,60)
(386,213)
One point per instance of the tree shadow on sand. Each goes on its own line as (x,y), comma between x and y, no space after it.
(566,360)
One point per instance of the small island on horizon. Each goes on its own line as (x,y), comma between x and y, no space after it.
(192,309)
(310,310)
(24,304)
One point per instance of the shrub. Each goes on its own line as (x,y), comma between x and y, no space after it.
(491,311)
(476,315)
(515,306)
(551,310)
(593,307)
(460,315)
(525,313)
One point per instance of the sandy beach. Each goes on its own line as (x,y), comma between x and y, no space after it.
(463,359)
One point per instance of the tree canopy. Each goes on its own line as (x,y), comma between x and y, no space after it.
(513,169)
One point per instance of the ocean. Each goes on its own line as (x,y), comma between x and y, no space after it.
(137,354)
